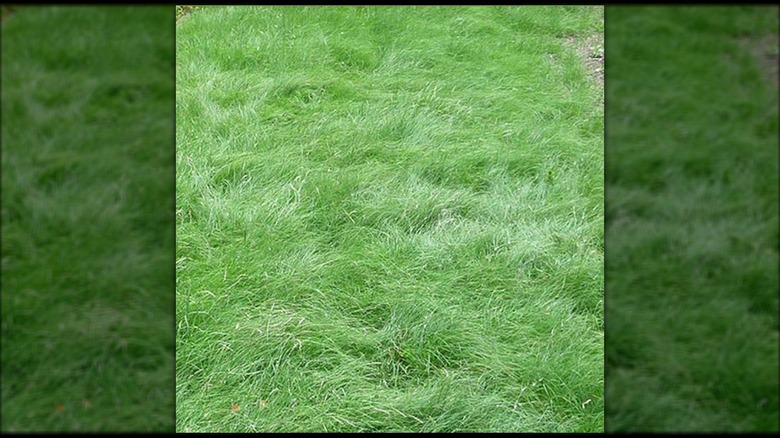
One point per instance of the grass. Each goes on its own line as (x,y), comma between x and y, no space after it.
(87,219)
(692,215)
(388,219)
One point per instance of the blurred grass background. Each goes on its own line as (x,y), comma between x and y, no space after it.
(88,219)
(691,220)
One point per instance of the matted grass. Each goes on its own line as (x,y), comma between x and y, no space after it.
(87,219)
(388,219)
(692,216)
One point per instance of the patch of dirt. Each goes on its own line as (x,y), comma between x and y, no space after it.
(183,11)
(766,50)
(6,11)
(591,51)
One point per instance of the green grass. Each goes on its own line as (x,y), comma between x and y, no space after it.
(88,219)
(692,215)
(388,219)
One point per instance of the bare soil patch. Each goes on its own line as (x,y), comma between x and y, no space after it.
(183,11)
(591,51)
(6,11)
(765,49)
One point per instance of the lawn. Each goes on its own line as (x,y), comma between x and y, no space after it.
(88,219)
(389,219)
(692,219)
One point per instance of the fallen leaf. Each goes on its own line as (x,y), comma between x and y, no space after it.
(59,408)
(236,408)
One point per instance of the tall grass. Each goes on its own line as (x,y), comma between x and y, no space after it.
(388,219)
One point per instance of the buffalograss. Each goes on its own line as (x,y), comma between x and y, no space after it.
(388,219)
(692,221)
(88,219)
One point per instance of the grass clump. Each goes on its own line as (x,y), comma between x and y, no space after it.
(87,220)
(692,215)
(388,219)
